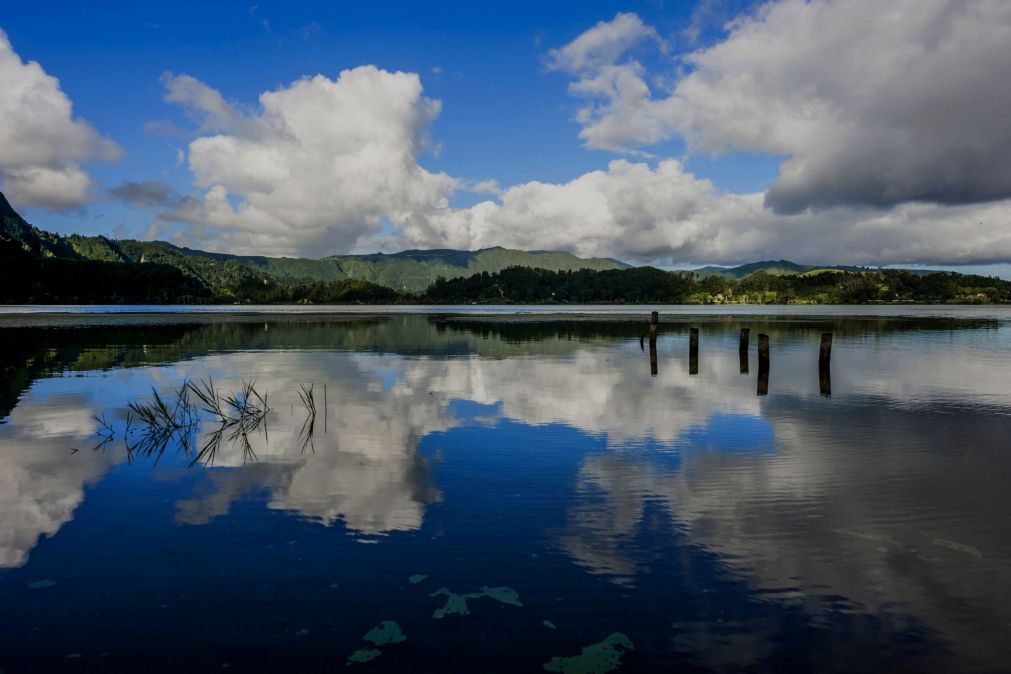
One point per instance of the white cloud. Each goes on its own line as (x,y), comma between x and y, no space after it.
(320,164)
(42,145)
(327,166)
(40,486)
(870,103)
(638,211)
(489,186)
(204,103)
(602,44)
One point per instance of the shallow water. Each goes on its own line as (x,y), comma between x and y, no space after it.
(494,494)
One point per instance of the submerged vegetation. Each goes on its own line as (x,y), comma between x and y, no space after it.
(598,658)
(456,604)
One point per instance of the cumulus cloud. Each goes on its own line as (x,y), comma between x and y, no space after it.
(869,103)
(601,45)
(318,165)
(646,212)
(42,145)
(324,166)
(205,104)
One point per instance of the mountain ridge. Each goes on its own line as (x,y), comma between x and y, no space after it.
(226,275)
(409,270)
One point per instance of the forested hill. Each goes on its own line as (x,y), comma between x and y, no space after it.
(647,285)
(39,267)
(223,274)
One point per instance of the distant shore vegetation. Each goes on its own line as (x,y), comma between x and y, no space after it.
(25,279)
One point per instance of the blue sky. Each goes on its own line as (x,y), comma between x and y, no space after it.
(508,113)
(504,116)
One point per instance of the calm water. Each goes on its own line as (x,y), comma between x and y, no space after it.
(508,492)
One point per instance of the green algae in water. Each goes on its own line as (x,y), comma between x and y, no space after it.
(598,658)
(363,655)
(388,632)
(456,604)
(417,578)
(504,594)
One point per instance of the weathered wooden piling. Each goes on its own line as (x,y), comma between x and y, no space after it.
(824,364)
(742,350)
(693,351)
(763,365)
(825,355)
(654,324)
(825,380)
(652,358)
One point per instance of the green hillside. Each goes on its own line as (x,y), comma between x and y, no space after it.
(774,267)
(44,268)
(224,274)
(784,268)
(32,239)
(416,270)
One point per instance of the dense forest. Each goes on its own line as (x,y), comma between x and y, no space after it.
(644,285)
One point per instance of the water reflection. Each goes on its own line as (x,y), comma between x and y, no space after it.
(886,500)
(39,486)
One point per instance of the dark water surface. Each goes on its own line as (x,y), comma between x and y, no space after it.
(508,492)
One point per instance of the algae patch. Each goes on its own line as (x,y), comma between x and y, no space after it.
(388,632)
(363,655)
(598,658)
(550,625)
(456,604)
(416,578)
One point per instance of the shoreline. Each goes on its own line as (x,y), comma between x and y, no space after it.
(59,316)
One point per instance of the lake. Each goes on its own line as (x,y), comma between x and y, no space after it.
(466,490)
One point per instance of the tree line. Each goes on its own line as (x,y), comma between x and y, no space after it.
(29,279)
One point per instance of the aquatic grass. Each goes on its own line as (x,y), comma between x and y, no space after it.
(243,413)
(161,423)
(105,432)
(209,397)
(305,394)
(153,425)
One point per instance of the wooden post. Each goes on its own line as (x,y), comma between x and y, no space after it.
(642,342)
(824,365)
(652,358)
(763,365)
(742,350)
(654,320)
(693,351)
(825,355)
(825,380)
